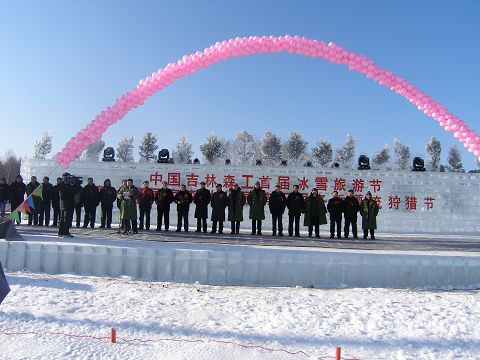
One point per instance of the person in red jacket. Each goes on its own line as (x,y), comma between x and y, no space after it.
(145,202)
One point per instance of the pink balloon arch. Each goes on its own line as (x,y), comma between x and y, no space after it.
(189,64)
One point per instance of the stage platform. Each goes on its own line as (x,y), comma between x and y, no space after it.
(391,260)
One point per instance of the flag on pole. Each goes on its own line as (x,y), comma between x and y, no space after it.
(15,216)
(26,208)
(30,202)
(38,192)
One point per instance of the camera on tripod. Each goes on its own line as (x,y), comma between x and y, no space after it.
(72,179)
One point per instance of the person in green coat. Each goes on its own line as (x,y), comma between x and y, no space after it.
(369,210)
(315,213)
(257,199)
(236,201)
(128,206)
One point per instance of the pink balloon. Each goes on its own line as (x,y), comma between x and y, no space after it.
(266,44)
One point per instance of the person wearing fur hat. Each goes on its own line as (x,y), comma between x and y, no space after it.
(236,201)
(277,203)
(257,199)
(218,203)
(202,199)
(350,210)
(369,210)
(315,213)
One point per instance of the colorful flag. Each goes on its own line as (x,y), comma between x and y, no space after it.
(38,192)
(14,215)
(30,202)
(26,208)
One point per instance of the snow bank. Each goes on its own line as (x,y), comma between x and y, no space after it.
(243,265)
(366,323)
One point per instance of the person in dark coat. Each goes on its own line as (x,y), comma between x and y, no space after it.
(66,194)
(108,195)
(45,202)
(236,201)
(33,214)
(91,198)
(4,196)
(350,210)
(295,205)
(163,198)
(257,199)
(369,210)
(335,208)
(201,199)
(277,203)
(183,199)
(315,213)
(17,194)
(56,202)
(218,203)
(78,202)
(145,202)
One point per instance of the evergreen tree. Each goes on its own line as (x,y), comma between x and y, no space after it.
(271,147)
(43,147)
(434,149)
(213,149)
(244,147)
(296,146)
(382,156)
(323,153)
(183,152)
(125,149)
(454,160)
(148,148)
(93,151)
(344,154)
(402,154)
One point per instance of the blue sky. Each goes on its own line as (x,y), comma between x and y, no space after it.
(61,62)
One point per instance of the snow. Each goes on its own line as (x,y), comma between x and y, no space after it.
(366,323)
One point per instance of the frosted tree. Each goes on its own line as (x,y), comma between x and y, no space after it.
(213,149)
(344,154)
(296,146)
(454,160)
(323,153)
(93,151)
(43,147)
(434,149)
(244,147)
(271,147)
(402,154)
(10,166)
(477,161)
(183,151)
(148,148)
(381,157)
(125,149)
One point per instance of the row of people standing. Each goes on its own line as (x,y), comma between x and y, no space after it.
(128,197)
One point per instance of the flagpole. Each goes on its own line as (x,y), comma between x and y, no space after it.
(21,206)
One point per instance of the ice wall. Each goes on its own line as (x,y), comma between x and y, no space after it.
(454,208)
(241,265)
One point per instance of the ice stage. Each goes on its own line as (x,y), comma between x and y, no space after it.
(390,261)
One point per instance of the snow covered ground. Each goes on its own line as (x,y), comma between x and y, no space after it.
(366,323)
